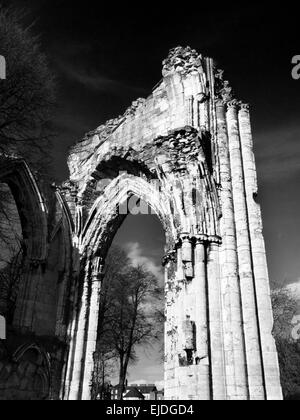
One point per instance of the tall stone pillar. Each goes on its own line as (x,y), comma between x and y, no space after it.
(218,373)
(202,344)
(248,292)
(184,255)
(71,331)
(187,256)
(265,313)
(170,332)
(91,343)
(234,348)
(79,350)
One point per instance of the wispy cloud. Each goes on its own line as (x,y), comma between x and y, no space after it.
(294,289)
(135,253)
(278,152)
(91,79)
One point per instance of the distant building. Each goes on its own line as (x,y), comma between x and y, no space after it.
(134,395)
(160,395)
(134,391)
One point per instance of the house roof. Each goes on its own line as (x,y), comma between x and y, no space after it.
(134,393)
(146,389)
(143,388)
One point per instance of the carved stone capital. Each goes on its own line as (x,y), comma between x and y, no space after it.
(201,239)
(244,107)
(220,103)
(233,105)
(185,237)
(215,240)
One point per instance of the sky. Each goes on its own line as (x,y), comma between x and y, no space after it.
(105,56)
(143,239)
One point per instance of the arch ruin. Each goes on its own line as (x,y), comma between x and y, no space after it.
(187,151)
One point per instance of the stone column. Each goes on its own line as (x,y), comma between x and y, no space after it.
(67,369)
(235,360)
(179,301)
(265,313)
(69,359)
(218,374)
(78,358)
(91,343)
(248,292)
(187,256)
(202,346)
(25,309)
(71,330)
(170,336)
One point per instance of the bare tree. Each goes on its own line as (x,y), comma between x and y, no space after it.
(26,104)
(103,370)
(133,320)
(128,312)
(11,253)
(27,94)
(117,263)
(10,277)
(285,308)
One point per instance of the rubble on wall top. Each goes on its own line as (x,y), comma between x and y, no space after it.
(183,146)
(183,60)
(107,129)
(223,90)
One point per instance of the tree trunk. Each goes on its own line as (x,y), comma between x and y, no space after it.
(122,379)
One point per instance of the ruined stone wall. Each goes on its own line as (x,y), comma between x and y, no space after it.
(26,376)
(187,151)
(32,356)
(175,103)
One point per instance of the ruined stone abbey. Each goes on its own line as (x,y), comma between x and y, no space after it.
(187,151)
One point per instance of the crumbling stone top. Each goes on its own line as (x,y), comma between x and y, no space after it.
(182,60)
(223,89)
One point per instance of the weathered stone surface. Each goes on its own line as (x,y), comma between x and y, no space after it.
(26,376)
(187,151)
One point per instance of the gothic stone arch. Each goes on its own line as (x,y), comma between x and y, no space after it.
(187,151)
(44,296)
(17,175)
